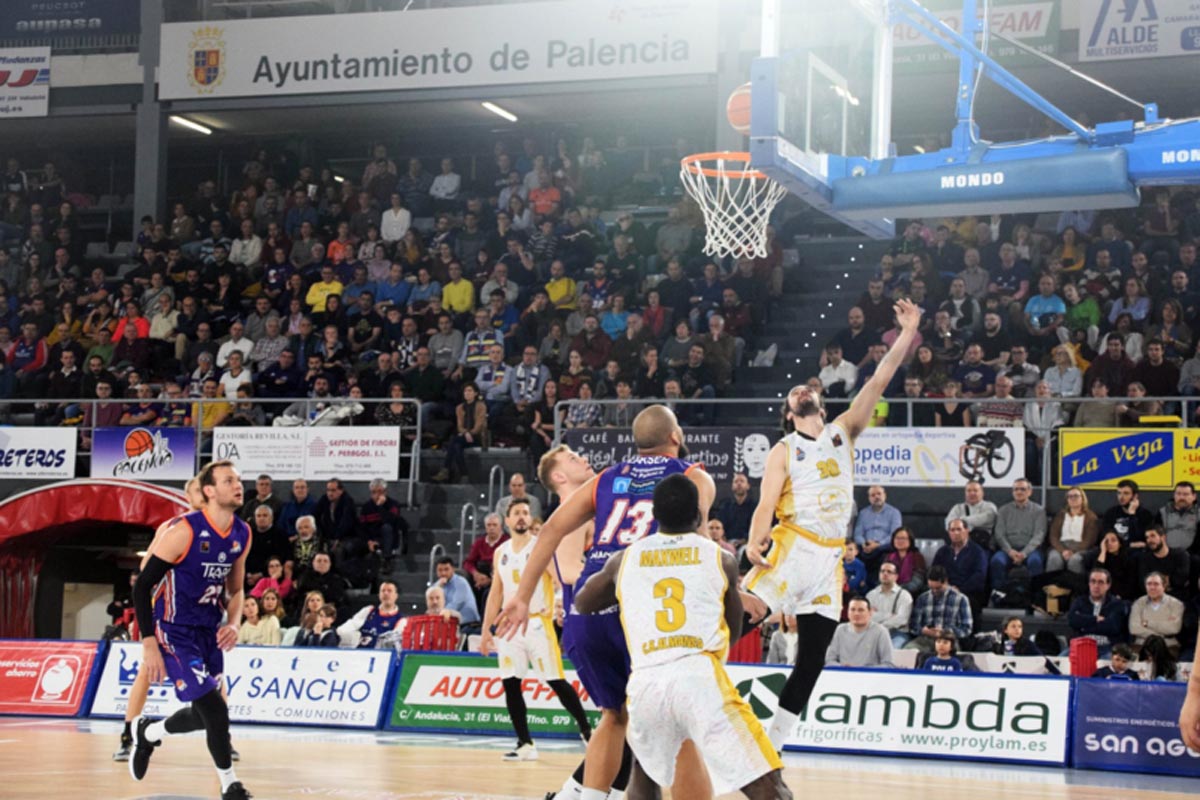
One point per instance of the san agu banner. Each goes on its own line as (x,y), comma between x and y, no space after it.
(1131,726)
(37,452)
(45,678)
(936,715)
(280,685)
(464,694)
(1114,31)
(1098,458)
(888,456)
(422,48)
(146,454)
(24,82)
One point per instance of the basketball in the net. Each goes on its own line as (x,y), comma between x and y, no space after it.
(737,109)
(137,443)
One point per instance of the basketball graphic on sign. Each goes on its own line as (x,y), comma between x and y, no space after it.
(137,442)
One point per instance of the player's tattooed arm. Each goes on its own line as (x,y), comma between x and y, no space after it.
(600,591)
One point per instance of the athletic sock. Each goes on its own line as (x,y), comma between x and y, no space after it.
(616,794)
(782,727)
(571,790)
(593,794)
(228,778)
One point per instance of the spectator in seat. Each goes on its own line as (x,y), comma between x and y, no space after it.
(891,605)
(1045,312)
(278,578)
(380,523)
(323,632)
(1180,518)
(1074,530)
(478,563)
(269,542)
(306,544)
(978,513)
(1101,412)
(1118,669)
(896,387)
(1159,376)
(782,649)
(722,352)
(1020,532)
(1156,613)
(994,341)
(860,642)
(1128,517)
(837,375)
(944,659)
(1024,376)
(298,505)
(1000,410)
(257,629)
(941,608)
(976,378)
(372,622)
(874,527)
(975,275)
(1099,614)
(472,425)
(1011,640)
(459,597)
(1161,665)
(736,510)
(855,572)
(856,339)
(1131,413)
(1064,377)
(1041,419)
(910,564)
(320,577)
(966,564)
(1173,565)
(952,412)
(336,518)
(1113,368)
(1173,332)
(593,344)
(517,490)
(1161,228)
(876,307)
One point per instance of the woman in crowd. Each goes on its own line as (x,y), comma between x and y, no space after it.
(306,614)
(553,349)
(1114,555)
(322,633)
(396,413)
(931,371)
(1070,251)
(257,628)
(542,430)
(1173,332)
(649,380)
(1133,302)
(278,579)
(270,604)
(584,414)
(909,563)
(1131,413)
(952,412)
(1160,664)
(1010,640)
(571,378)
(471,419)
(1082,321)
(1073,531)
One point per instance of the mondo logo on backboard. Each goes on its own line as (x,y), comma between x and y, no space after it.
(977,180)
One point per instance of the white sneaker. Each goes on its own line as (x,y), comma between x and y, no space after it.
(524,752)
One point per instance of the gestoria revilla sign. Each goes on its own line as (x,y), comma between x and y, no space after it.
(438,48)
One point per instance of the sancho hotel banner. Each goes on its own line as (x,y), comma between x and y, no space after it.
(1100,457)
(488,45)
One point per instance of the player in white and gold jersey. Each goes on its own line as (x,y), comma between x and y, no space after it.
(536,648)
(680,609)
(809,486)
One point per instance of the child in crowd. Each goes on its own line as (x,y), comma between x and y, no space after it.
(322,633)
(944,660)
(1122,658)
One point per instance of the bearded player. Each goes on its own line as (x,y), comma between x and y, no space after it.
(141,685)
(809,487)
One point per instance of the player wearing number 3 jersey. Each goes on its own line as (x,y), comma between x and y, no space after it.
(621,501)
(809,486)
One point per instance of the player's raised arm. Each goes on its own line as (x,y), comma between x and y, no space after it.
(172,546)
(856,419)
(575,511)
(600,592)
(768,498)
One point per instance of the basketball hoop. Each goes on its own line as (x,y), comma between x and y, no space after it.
(736,201)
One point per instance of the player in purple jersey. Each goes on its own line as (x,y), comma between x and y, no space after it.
(181,595)
(620,499)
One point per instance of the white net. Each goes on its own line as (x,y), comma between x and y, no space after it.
(736,202)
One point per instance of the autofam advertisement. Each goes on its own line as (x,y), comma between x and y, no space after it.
(988,717)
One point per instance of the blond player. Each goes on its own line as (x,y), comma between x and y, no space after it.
(679,606)
(141,684)
(536,647)
(809,487)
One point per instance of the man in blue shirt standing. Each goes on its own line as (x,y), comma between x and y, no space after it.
(459,596)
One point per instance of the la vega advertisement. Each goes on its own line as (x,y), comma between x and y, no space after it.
(985,717)
(292,686)
(891,457)
(464,694)
(1098,458)
(148,454)
(483,45)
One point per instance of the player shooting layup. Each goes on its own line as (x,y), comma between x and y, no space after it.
(178,596)
(809,487)
(680,609)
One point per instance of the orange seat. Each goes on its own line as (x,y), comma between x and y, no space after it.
(748,649)
(430,632)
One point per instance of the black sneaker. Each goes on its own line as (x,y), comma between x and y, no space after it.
(139,762)
(236,792)
(125,749)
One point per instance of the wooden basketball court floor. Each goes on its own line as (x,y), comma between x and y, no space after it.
(72,759)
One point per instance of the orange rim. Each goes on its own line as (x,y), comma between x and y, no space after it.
(694,165)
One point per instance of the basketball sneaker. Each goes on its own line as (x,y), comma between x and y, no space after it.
(125,749)
(139,761)
(526,751)
(236,792)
